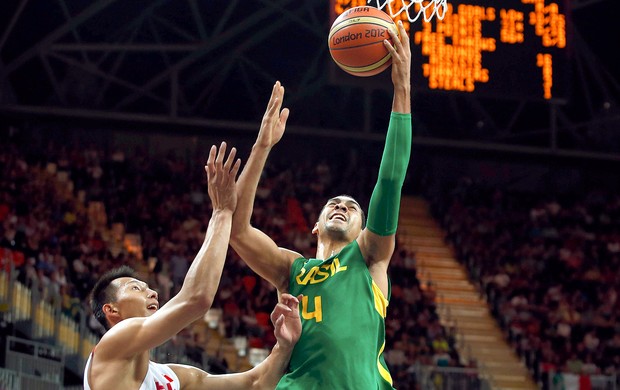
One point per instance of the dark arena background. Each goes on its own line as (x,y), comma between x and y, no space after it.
(506,273)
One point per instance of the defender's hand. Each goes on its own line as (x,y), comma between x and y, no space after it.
(286,320)
(221,178)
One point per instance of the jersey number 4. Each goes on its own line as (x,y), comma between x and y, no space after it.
(317,314)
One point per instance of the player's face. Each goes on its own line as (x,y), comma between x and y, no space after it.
(134,298)
(341,216)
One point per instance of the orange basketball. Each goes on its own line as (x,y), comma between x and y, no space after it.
(356,41)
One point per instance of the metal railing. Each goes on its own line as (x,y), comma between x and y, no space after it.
(42,321)
(12,380)
(463,348)
(561,380)
(32,365)
(450,378)
(9,380)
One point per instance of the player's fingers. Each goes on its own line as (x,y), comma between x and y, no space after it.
(279,323)
(284,116)
(282,307)
(280,97)
(220,154)
(275,96)
(274,106)
(279,309)
(230,159)
(404,37)
(396,34)
(294,302)
(286,298)
(270,104)
(212,153)
(274,92)
(290,301)
(405,48)
(235,168)
(388,45)
(210,162)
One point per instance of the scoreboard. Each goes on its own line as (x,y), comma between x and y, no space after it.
(497,48)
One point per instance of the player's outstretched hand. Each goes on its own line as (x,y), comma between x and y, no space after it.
(286,320)
(401,56)
(221,178)
(274,121)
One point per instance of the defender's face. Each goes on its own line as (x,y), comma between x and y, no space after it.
(134,298)
(341,216)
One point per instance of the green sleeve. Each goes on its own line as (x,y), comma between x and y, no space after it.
(385,200)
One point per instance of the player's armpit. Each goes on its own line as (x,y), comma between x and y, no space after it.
(375,248)
(377,251)
(264,257)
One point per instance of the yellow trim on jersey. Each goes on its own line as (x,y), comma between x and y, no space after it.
(385,374)
(381,303)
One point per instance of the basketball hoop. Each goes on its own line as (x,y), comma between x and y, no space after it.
(427,8)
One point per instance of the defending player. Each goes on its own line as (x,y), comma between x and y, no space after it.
(130,312)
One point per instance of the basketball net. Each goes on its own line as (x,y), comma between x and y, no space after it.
(431,8)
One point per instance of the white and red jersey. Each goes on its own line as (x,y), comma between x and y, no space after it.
(158,377)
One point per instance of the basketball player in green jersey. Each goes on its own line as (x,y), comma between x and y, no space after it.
(345,288)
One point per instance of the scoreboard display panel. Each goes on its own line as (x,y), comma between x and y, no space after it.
(497,48)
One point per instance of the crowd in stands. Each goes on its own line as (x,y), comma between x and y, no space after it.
(549,266)
(74,211)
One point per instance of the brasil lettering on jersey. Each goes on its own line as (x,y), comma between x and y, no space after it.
(318,274)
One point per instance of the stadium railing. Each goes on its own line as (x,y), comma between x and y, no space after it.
(43,322)
(450,378)
(9,379)
(32,365)
(562,380)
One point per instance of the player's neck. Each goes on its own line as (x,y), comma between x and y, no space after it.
(328,249)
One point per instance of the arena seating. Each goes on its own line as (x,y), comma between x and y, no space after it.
(549,266)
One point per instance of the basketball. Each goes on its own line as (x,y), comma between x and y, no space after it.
(356,41)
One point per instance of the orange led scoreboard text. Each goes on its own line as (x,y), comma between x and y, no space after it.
(504,48)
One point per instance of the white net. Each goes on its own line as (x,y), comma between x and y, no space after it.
(413,8)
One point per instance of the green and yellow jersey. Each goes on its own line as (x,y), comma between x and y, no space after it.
(343,325)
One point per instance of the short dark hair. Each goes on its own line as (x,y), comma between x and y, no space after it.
(349,196)
(102,293)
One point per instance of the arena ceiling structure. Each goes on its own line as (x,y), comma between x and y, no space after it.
(210,65)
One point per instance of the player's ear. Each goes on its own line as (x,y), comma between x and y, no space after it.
(111,312)
(315,229)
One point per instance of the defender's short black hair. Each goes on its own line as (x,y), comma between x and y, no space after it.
(103,293)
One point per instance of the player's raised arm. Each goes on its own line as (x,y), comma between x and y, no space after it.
(401,70)
(258,250)
(377,240)
(135,331)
